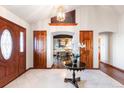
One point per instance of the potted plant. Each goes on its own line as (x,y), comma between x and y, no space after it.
(75,58)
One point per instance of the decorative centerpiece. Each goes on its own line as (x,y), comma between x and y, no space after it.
(75,59)
(76,54)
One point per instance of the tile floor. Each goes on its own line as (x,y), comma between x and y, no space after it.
(54,78)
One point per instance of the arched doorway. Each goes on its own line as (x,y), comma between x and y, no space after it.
(62,48)
(105,47)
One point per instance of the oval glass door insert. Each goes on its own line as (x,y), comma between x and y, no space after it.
(6,44)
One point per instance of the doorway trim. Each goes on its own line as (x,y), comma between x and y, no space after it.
(60,33)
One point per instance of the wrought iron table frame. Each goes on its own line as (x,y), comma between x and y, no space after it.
(74,67)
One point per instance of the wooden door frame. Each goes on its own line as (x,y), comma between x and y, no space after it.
(92,43)
(34,44)
(99,53)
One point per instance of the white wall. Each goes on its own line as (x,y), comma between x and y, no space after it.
(117,41)
(104,47)
(99,19)
(96,18)
(10,16)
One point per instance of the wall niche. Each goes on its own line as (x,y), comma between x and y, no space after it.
(70,20)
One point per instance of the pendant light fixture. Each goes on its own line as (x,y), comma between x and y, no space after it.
(61,13)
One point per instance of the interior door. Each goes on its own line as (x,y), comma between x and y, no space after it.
(86,54)
(40,49)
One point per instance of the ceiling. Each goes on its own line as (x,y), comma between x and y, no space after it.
(33,13)
(118,8)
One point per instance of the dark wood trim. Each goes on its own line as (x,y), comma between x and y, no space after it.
(11,22)
(63,24)
(39,68)
(112,71)
(86,30)
(39,31)
(17,76)
(92,68)
(63,36)
(113,66)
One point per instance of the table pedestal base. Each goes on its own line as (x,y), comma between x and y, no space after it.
(73,81)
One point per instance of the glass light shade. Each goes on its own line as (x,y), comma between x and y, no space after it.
(61,16)
(60,13)
(6,44)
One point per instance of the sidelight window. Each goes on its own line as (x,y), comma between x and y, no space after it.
(21,42)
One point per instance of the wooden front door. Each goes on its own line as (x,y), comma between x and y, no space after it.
(86,54)
(10,55)
(40,49)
